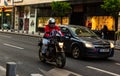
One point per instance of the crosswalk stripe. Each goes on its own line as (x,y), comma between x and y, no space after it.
(36,75)
(59,72)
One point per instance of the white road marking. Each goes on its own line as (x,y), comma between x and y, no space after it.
(2,69)
(36,75)
(117,63)
(58,72)
(13,46)
(114,74)
(6,36)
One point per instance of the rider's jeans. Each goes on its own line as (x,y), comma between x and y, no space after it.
(44,46)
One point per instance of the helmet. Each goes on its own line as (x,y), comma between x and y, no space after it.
(51,22)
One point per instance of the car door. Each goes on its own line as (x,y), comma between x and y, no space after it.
(67,38)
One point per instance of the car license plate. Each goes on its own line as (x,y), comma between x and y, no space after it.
(104,50)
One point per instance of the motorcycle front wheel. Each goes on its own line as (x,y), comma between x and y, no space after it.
(42,59)
(60,60)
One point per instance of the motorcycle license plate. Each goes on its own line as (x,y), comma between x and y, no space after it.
(104,50)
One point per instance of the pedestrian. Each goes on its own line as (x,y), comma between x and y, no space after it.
(89,25)
(104,31)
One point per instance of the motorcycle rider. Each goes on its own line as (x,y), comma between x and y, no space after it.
(48,29)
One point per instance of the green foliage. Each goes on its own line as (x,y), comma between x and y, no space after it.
(60,8)
(117,34)
(112,6)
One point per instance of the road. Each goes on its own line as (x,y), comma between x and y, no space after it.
(23,50)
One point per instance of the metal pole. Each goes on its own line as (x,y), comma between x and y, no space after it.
(12,22)
(11,69)
(2,20)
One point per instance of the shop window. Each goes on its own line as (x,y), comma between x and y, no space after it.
(42,21)
(65,20)
(99,21)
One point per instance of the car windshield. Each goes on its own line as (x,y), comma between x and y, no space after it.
(83,31)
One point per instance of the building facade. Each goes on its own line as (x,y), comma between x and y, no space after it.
(32,15)
(6,11)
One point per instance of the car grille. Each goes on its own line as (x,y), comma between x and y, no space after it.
(102,46)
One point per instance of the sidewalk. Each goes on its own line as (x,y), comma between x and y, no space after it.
(36,34)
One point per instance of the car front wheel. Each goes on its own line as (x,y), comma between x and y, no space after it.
(75,52)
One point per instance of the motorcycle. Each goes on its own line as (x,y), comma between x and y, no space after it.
(54,52)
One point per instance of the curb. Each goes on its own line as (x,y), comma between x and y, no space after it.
(32,35)
(117,47)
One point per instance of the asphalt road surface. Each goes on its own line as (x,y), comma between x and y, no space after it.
(23,50)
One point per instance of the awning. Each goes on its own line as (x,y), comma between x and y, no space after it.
(7,8)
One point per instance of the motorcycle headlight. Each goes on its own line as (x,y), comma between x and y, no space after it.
(60,44)
(111,45)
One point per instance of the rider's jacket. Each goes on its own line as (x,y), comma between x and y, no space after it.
(48,30)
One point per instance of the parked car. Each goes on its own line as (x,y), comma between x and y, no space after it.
(6,26)
(81,42)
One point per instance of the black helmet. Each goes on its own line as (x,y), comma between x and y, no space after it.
(51,22)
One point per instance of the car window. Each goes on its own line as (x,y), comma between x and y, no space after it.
(81,31)
(65,31)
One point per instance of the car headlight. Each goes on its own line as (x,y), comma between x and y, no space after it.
(111,45)
(89,45)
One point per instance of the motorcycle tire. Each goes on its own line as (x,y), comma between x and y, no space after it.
(60,60)
(41,57)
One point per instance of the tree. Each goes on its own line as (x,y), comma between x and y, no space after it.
(60,9)
(113,7)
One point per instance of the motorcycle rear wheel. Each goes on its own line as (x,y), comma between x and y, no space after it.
(60,60)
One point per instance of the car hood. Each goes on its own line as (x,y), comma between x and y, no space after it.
(94,40)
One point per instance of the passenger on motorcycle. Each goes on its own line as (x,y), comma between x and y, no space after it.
(48,30)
